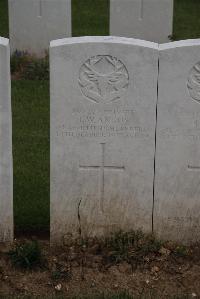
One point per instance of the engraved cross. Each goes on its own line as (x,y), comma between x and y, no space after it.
(40,8)
(141,9)
(102,167)
(197,168)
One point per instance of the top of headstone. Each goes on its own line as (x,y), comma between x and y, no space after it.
(179,44)
(4,41)
(103,39)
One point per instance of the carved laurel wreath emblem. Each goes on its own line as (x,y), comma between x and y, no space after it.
(103,79)
(193,83)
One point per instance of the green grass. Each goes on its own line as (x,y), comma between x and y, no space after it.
(4,18)
(186,19)
(26,255)
(30,105)
(90,17)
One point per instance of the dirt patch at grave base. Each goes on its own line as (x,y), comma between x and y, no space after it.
(68,272)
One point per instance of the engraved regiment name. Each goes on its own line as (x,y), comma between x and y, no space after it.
(103,123)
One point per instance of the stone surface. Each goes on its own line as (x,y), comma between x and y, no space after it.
(103,117)
(34,23)
(177,184)
(6,173)
(145,19)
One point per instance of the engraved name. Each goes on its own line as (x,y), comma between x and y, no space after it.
(103,123)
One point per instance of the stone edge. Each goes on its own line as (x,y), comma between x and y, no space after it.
(4,41)
(103,39)
(179,44)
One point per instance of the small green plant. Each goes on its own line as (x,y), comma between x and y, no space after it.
(18,61)
(37,69)
(56,275)
(180,251)
(61,273)
(25,66)
(26,255)
(132,246)
(121,240)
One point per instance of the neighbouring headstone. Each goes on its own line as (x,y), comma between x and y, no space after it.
(6,173)
(145,19)
(177,184)
(103,118)
(34,23)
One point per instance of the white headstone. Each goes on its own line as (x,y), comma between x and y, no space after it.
(103,115)
(177,184)
(34,23)
(6,173)
(145,19)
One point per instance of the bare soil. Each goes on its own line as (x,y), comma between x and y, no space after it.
(68,271)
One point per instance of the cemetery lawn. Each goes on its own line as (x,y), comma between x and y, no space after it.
(186,19)
(90,17)
(30,107)
(4,18)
